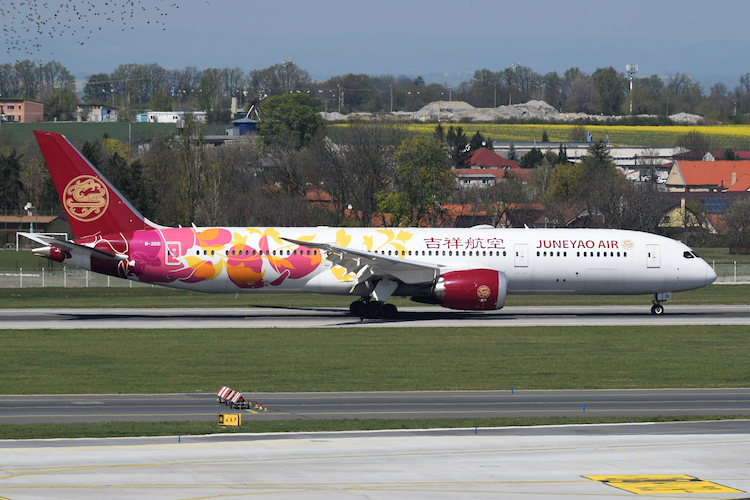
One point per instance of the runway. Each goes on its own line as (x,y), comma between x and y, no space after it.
(365,405)
(430,317)
(683,460)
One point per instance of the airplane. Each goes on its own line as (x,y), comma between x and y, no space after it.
(457,268)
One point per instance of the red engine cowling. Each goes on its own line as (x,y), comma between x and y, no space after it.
(473,289)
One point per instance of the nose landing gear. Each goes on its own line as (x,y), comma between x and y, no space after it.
(657,309)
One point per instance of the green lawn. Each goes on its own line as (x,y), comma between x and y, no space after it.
(376,359)
(19,133)
(149,297)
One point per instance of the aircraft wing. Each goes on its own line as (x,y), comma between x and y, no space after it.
(73,248)
(367,265)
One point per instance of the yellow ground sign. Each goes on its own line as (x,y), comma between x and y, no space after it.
(664,484)
(234,419)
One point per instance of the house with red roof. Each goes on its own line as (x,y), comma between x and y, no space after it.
(709,176)
(487,168)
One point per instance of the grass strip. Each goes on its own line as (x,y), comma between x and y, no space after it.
(133,429)
(372,359)
(148,297)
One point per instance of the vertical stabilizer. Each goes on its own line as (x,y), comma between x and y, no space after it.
(92,204)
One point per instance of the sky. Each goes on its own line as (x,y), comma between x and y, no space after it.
(442,41)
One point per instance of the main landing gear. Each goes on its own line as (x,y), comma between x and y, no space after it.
(372,309)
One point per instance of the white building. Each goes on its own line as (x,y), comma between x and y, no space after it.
(174,116)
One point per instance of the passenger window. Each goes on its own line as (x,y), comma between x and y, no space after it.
(464,253)
(503,253)
(618,254)
(212,252)
(537,254)
(429,253)
(624,254)
(565,254)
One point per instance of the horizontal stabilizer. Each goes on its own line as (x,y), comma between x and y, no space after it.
(73,248)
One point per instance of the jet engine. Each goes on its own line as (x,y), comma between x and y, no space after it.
(473,289)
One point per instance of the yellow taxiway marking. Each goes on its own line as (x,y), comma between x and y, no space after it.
(663,484)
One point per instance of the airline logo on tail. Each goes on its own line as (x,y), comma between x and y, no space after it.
(86,198)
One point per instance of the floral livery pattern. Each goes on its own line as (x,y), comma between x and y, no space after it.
(252,258)
(205,255)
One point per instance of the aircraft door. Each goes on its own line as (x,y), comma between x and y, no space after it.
(173,253)
(653,259)
(521,258)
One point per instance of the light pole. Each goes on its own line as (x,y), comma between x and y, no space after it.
(632,69)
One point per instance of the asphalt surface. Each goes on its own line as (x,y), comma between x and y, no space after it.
(429,317)
(681,460)
(363,405)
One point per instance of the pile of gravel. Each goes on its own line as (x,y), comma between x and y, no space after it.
(461,111)
(686,118)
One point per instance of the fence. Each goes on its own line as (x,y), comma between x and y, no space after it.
(729,273)
(732,273)
(65,278)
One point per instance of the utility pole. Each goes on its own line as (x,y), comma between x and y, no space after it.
(632,69)
(515,66)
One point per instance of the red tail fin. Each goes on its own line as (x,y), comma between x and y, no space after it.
(93,205)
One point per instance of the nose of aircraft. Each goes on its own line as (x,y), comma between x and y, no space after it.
(710,275)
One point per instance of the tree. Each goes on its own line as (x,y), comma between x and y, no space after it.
(532,159)
(545,137)
(737,219)
(729,155)
(11,188)
(512,155)
(97,88)
(459,153)
(478,141)
(283,78)
(695,143)
(602,187)
(290,120)
(354,164)
(610,89)
(423,183)
(581,95)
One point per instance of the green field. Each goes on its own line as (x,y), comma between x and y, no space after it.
(18,133)
(150,297)
(372,359)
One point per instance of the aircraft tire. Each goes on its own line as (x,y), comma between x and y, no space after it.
(372,310)
(389,311)
(357,308)
(657,309)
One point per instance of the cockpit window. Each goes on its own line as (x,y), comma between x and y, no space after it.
(688,255)
(696,255)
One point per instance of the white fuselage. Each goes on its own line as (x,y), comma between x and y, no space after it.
(535,261)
